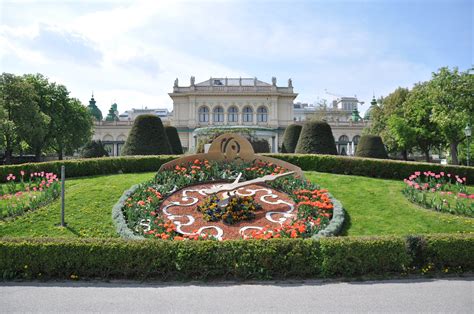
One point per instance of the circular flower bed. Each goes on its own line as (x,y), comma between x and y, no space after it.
(174,206)
(442,192)
(25,193)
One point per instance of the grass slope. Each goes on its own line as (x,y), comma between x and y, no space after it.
(374,207)
(378,207)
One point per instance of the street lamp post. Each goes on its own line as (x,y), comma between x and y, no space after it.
(468,132)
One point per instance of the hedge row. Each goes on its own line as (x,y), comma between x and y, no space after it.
(91,166)
(253,259)
(370,167)
(367,167)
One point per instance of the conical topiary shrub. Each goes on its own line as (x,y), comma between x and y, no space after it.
(290,138)
(371,146)
(173,139)
(316,138)
(147,137)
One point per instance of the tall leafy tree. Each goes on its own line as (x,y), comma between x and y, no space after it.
(22,119)
(390,106)
(417,111)
(75,129)
(452,94)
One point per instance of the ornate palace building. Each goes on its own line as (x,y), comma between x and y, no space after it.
(264,109)
(249,103)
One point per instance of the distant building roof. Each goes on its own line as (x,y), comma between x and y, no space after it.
(233,82)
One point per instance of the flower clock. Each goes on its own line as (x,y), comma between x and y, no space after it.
(198,199)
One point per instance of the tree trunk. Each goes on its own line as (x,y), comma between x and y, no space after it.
(8,156)
(38,154)
(405,154)
(60,154)
(454,153)
(427,155)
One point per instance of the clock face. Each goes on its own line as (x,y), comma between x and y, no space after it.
(181,208)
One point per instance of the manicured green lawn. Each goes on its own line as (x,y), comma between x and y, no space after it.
(374,207)
(89,203)
(377,207)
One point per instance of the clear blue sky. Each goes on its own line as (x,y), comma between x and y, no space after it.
(131,52)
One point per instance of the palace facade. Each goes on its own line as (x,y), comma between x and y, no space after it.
(262,108)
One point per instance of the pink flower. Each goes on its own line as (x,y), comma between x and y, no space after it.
(417,173)
(34,188)
(471,197)
(13,177)
(464,179)
(437,176)
(41,189)
(22,173)
(463,195)
(442,173)
(449,175)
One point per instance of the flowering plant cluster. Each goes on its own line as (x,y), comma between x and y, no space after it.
(142,209)
(442,192)
(314,210)
(25,193)
(237,209)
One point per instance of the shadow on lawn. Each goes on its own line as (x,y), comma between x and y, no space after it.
(347,224)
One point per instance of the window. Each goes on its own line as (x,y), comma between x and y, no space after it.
(218,114)
(247,114)
(262,115)
(356,139)
(203,114)
(233,115)
(343,139)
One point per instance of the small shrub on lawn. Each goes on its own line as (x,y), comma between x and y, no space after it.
(316,138)
(147,137)
(371,146)
(290,138)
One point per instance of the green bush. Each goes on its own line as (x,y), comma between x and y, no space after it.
(369,167)
(94,149)
(371,146)
(90,166)
(352,257)
(260,145)
(173,139)
(366,167)
(290,138)
(147,137)
(48,258)
(316,138)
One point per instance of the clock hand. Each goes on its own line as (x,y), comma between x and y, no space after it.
(235,185)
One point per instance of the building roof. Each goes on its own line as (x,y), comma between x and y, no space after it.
(233,82)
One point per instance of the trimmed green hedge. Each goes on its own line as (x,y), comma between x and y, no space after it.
(254,259)
(366,167)
(370,167)
(90,166)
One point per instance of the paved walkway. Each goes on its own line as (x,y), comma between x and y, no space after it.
(447,295)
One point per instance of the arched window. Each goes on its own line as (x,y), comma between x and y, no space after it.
(262,114)
(233,114)
(343,139)
(203,114)
(356,139)
(247,114)
(342,145)
(218,114)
